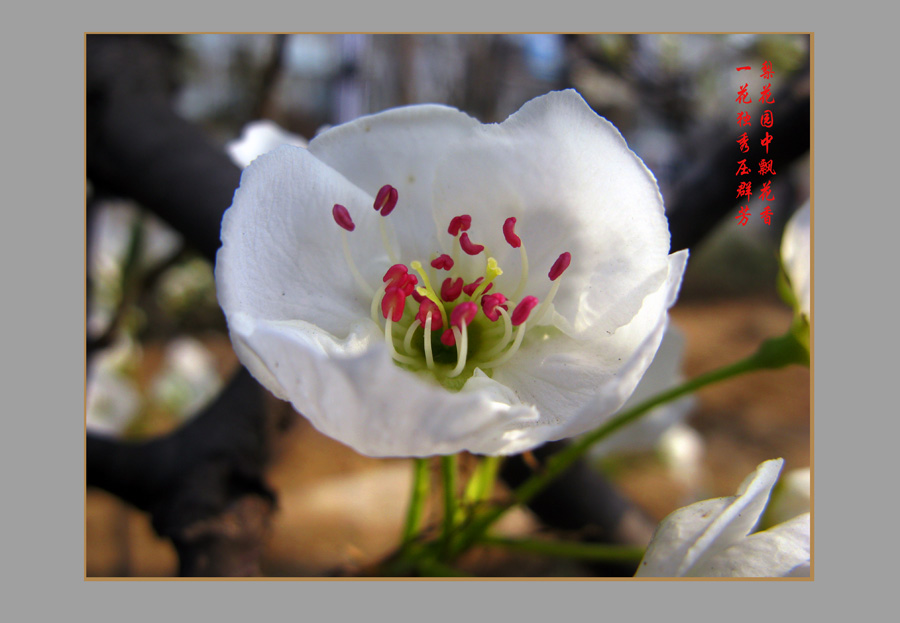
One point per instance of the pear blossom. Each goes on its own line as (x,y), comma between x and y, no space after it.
(649,431)
(713,538)
(379,279)
(795,246)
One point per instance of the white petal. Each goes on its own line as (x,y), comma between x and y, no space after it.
(795,255)
(664,373)
(776,552)
(400,147)
(577,384)
(281,255)
(568,177)
(362,399)
(691,536)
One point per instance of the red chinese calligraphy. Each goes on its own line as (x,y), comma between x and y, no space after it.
(767,72)
(744,190)
(767,119)
(765,193)
(766,215)
(743,215)
(743,119)
(765,166)
(766,95)
(766,140)
(740,68)
(744,142)
(743,169)
(743,96)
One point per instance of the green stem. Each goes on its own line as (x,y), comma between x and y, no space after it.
(416,500)
(564,549)
(448,477)
(773,353)
(481,484)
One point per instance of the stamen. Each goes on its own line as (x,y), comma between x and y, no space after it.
(407,340)
(463,313)
(428,290)
(462,346)
(342,217)
(376,300)
(429,357)
(523,279)
(507,334)
(556,271)
(386,200)
(459,223)
(468,246)
(393,303)
(451,289)
(489,305)
(442,262)
(520,334)
(428,307)
(510,234)
(560,265)
(523,309)
(386,242)
(470,289)
(388,338)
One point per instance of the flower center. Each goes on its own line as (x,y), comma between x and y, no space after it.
(457,326)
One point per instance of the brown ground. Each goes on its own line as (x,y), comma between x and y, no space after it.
(338,509)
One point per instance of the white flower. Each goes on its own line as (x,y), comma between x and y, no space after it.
(258,138)
(795,257)
(327,317)
(648,431)
(712,538)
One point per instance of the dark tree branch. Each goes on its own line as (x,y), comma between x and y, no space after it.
(202,484)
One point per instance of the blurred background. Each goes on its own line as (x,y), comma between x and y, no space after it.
(158,349)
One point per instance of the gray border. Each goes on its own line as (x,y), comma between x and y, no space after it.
(45,514)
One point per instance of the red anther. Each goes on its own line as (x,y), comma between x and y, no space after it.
(468,246)
(520,313)
(490,303)
(459,223)
(470,289)
(509,233)
(451,289)
(342,217)
(409,285)
(393,302)
(386,200)
(463,313)
(396,274)
(560,266)
(427,306)
(442,262)
(418,298)
(447,338)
